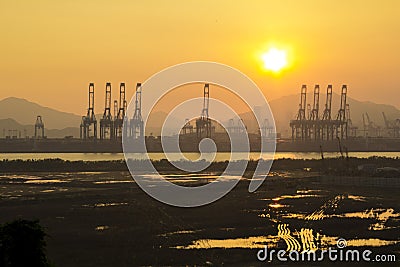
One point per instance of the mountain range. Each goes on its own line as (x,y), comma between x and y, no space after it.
(25,112)
(20,114)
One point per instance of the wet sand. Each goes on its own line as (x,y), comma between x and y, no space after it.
(104,219)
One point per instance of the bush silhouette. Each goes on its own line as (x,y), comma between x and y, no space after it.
(22,243)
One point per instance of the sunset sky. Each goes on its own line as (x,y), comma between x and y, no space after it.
(51,50)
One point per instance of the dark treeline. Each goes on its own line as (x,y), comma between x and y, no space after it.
(329,165)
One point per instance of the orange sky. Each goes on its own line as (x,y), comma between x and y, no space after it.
(51,50)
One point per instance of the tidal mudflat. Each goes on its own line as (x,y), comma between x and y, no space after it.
(105,219)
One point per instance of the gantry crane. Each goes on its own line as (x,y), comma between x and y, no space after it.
(353,129)
(187,128)
(89,122)
(370,128)
(120,117)
(392,127)
(136,123)
(39,128)
(326,124)
(299,128)
(341,122)
(267,130)
(203,124)
(106,122)
(315,127)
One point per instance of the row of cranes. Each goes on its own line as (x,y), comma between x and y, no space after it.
(111,125)
(370,129)
(311,125)
(391,128)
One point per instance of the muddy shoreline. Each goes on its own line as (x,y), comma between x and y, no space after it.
(105,219)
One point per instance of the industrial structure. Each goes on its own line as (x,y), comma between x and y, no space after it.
(392,127)
(119,113)
(267,130)
(314,128)
(107,122)
(39,128)
(236,128)
(136,126)
(187,127)
(205,128)
(203,124)
(308,124)
(89,122)
(111,125)
(370,129)
(351,128)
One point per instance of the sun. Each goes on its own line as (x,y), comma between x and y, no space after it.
(274,59)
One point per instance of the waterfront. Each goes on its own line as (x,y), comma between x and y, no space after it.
(220,156)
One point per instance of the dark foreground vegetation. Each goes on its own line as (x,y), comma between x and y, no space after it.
(372,166)
(22,243)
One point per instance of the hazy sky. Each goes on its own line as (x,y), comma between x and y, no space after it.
(51,50)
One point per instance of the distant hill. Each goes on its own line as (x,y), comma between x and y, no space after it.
(25,112)
(9,127)
(59,124)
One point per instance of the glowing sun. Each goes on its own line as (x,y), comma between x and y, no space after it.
(274,59)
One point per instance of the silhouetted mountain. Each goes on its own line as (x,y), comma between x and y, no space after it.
(9,127)
(25,112)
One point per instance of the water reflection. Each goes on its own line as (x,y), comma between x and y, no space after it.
(181,232)
(44,181)
(248,242)
(114,182)
(277,205)
(102,205)
(102,228)
(306,239)
(356,198)
(47,191)
(331,204)
(291,242)
(330,241)
(372,242)
(299,194)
